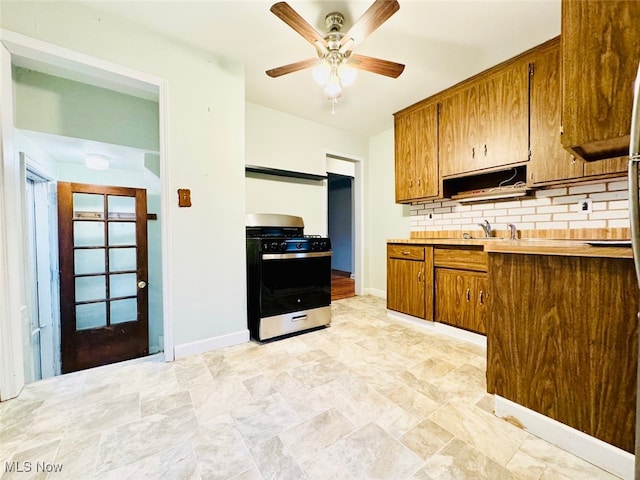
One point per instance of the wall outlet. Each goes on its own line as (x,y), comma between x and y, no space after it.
(585,206)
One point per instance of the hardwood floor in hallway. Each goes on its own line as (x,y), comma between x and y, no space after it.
(342,285)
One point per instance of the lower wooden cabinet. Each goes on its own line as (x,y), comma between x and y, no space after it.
(410,280)
(562,340)
(461,293)
(460,298)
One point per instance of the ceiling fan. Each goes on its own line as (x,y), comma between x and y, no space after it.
(334,67)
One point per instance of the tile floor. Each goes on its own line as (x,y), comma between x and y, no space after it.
(367,398)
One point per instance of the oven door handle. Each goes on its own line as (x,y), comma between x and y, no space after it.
(285,256)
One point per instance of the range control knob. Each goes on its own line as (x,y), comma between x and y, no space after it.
(283,246)
(299,246)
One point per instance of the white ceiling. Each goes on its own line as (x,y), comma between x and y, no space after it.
(441,42)
(74,150)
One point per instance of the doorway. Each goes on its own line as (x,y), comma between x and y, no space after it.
(341,232)
(14,273)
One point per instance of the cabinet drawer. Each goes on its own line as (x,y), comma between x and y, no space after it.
(461,258)
(408,252)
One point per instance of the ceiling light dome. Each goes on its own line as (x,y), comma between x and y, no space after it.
(95,161)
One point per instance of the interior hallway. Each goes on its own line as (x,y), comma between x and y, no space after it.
(366,398)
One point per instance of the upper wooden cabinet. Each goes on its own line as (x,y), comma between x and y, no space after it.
(549,161)
(484,121)
(600,55)
(416,152)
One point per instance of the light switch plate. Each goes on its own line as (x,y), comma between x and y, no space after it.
(184,197)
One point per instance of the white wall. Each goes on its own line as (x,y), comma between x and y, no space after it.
(385,219)
(205,108)
(279,140)
(46,103)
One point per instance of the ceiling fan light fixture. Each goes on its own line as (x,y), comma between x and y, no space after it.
(335,68)
(320,73)
(347,74)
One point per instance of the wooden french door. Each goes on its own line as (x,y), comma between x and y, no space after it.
(103,274)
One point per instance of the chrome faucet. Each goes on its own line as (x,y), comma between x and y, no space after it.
(486,226)
(512,229)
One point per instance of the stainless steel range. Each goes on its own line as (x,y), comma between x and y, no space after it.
(288,277)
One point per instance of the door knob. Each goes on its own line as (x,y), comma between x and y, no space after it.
(142,284)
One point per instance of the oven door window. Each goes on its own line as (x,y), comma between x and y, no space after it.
(290,285)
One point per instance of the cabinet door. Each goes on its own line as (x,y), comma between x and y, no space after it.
(454,298)
(426,148)
(601,51)
(416,154)
(459,135)
(549,161)
(505,134)
(406,286)
(403,157)
(461,297)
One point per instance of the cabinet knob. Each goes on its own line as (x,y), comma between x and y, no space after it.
(420,276)
(410,183)
(481,297)
(406,253)
(485,149)
(419,182)
(468,295)
(473,152)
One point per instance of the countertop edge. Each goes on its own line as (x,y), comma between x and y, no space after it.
(570,248)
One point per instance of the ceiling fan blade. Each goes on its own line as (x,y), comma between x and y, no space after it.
(376,15)
(288,15)
(376,65)
(292,67)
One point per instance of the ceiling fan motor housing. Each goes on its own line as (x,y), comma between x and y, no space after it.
(334,21)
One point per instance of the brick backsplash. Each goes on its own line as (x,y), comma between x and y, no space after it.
(550,209)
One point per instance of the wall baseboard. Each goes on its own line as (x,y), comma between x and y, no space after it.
(212,343)
(591,449)
(458,333)
(376,292)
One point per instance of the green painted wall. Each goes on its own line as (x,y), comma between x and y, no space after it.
(45,103)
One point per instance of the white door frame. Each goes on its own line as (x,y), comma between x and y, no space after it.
(16,45)
(45,262)
(358,214)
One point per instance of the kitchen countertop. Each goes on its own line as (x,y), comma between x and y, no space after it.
(532,246)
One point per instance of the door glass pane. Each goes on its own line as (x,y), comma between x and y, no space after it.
(89,261)
(90,288)
(88,234)
(91,315)
(88,205)
(122,233)
(122,207)
(122,259)
(122,285)
(124,310)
